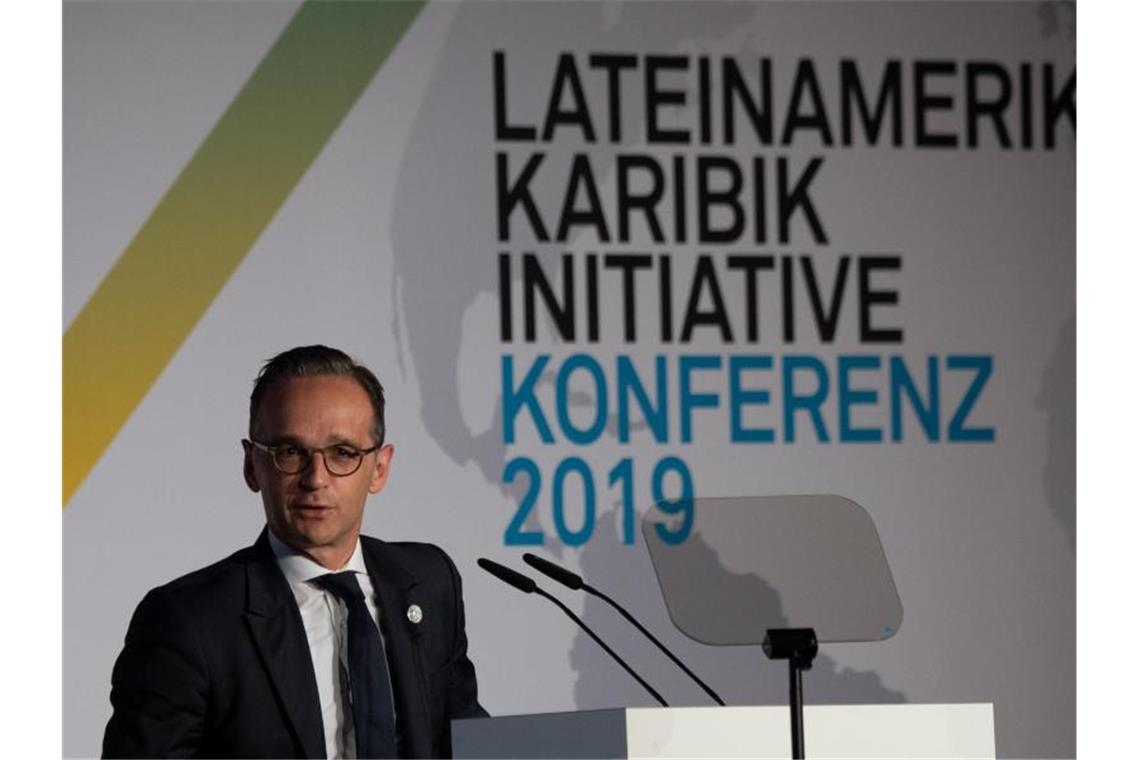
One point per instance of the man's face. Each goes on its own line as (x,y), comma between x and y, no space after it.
(314,511)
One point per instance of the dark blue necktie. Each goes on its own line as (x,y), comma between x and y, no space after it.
(372,712)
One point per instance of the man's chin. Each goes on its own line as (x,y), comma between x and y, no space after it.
(307,534)
(316,536)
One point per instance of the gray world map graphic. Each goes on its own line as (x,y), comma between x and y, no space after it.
(442,268)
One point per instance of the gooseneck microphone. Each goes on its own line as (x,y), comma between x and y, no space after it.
(509,576)
(528,586)
(575,582)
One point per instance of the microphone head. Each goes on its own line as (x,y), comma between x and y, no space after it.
(508,576)
(548,568)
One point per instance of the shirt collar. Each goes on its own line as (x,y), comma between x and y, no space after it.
(298,568)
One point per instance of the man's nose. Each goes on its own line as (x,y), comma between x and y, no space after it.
(317,473)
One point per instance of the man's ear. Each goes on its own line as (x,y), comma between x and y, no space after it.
(381,468)
(247,467)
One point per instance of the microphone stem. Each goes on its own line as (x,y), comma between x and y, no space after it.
(604,646)
(708,690)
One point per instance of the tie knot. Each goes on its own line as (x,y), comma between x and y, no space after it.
(343,585)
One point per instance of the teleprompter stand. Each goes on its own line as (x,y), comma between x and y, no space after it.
(757,571)
(762,569)
(798,646)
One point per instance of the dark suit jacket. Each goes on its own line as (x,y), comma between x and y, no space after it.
(216,663)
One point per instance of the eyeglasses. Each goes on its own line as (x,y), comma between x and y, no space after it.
(341,459)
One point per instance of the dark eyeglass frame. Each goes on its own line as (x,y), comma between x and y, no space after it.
(308,453)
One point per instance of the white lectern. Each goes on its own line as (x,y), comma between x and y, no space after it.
(832,731)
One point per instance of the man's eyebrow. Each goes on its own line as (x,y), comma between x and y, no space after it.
(347,442)
(293,440)
(284,439)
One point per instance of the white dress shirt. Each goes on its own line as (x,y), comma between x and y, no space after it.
(325,618)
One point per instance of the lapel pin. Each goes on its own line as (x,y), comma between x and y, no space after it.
(415,614)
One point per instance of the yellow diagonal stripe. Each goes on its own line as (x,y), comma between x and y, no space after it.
(211,216)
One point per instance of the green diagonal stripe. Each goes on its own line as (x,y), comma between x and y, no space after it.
(211,216)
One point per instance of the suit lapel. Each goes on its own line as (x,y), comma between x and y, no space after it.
(395,591)
(279,636)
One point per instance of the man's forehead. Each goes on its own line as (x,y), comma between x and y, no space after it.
(317,384)
(323,403)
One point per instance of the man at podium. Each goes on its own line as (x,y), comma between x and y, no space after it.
(316,641)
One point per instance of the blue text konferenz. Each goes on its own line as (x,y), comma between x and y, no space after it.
(763,398)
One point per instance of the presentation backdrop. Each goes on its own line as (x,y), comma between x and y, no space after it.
(607,259)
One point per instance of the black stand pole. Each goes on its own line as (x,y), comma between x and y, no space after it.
(798,646)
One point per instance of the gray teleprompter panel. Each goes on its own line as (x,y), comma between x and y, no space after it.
(783,562)
(590,733)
